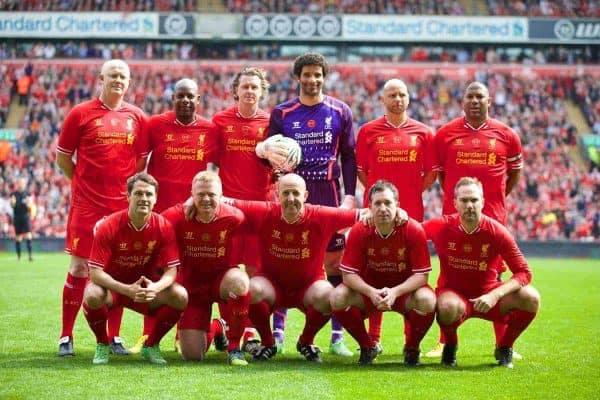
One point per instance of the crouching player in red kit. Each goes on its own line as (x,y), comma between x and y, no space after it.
(208,271)
(294,237)
(130,246)
(470,245)
(385,268)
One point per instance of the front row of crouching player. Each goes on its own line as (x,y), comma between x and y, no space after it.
(134,264)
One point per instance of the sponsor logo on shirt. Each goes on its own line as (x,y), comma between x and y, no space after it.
(451,246)
(492,143)
(311,123)
(129,124)
(296,125)
(328,122)
(137,245)
(467,248)
(205,237)
(413,140)
(123,246)
(169,137)
(305,237)
(483,266)
(188,235)
(98,122)
(229,129)
(276,234)
(75,243)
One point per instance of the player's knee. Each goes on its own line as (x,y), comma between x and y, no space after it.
(425,300)
(339,297)
(192,354)
(257,291)
(178,296)
(239,284)
(94,296)
(530,298)
(448,310)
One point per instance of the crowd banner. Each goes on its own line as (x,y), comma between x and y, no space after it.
(78,25)
(292,27)
(576,31)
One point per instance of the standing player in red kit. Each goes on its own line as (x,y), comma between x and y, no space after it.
(98,149)
(244,176)
(470,246)
(180,143)
(208,271)
(484,148)
(400,150)
(385,269)
(130,246)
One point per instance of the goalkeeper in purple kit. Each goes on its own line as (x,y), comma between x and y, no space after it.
(323,127)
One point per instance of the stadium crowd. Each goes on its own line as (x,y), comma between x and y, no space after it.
(534,8)
(556,197)
(190,51)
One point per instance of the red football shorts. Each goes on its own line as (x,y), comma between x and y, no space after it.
(492,315)
(200,300)
(80,230)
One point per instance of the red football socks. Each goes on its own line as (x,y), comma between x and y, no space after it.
(97,321)
(166,318)
(353,321)
(315,320)
(375,322)
(71,302)
(259,315)
(418,326)
(115,315)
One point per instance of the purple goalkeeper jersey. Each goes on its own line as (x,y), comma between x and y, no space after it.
(324,131)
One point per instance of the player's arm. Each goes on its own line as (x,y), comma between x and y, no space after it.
(512,178)
(65,163)
(348,160)
(487,301)
(355,282)
(511,254)
(102,279)
(141,163)
(13,200)
(413,282)
(440,177)
(362,178)
(429,179)
(166,280)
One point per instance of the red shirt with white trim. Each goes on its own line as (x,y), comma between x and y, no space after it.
(205,248)
(469,261)
(243,174)
(292,254)
(401,155)
(107,144)
(179,152)
(486,153)
(386,261)
(127,253)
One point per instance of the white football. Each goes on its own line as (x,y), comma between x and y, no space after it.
(294,156)
(283,153)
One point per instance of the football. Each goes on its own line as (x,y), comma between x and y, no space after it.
(277,145)
(294,155)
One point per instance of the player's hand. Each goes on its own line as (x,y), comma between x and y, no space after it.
(376,295)
(401,216)
(484,303)
(365,216)
(136,290)
(189,209)
(349,202)
(388,300)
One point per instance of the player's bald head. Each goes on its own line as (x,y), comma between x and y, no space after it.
(114,64)
(186,83)
(292,180)
(477,86)
(394,84)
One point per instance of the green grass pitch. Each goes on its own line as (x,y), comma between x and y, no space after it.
(561,352)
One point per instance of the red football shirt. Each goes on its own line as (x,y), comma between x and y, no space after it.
(468,262)
(293,254)
(243,174)
(401,155)
(179,152)
(386,261)
(107,145)
(204,248)
(486,153)
(127,253)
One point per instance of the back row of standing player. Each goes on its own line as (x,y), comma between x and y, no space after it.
(113,139)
